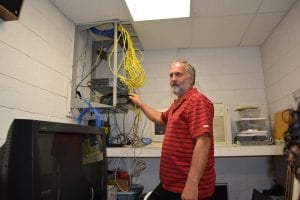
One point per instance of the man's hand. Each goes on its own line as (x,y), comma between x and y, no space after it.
(135,99)
(190,192)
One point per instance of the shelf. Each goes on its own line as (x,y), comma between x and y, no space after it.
(257,150)
(253,119)
(154,151)
(78,103)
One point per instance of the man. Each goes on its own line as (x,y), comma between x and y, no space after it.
(187,158)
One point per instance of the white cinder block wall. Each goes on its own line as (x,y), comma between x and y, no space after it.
(233,76)
(281,65)
(281,62)
(36,55)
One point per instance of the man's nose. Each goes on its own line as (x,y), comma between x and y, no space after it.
(173,78)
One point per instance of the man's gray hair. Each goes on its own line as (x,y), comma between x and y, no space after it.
(190,69)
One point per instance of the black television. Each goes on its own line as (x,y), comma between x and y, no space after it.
(42,160)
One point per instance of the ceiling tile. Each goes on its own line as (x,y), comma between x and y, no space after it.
(260,28)
(275,5)
(223,7)
(164,33)
(92,11)
(219,31)
(213,23)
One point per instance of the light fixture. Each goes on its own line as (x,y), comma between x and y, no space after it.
(143,10)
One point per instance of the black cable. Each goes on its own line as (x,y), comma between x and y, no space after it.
(94,68)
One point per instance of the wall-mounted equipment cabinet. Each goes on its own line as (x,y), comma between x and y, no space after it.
(99,77)
(94,66)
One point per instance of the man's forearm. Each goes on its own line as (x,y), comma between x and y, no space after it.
(199,160)
(151,113)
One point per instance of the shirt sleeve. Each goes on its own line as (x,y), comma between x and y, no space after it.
(164,116)
(201,117)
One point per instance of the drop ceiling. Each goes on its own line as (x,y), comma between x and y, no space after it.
(213,23)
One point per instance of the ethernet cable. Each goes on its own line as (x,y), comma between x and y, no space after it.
(134,76)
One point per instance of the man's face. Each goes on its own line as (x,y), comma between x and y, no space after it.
(180,80)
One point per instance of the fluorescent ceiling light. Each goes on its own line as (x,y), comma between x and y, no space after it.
(143,10)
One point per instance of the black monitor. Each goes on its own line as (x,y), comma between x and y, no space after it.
(43,160)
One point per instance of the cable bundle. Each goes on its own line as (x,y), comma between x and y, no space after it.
(133,75)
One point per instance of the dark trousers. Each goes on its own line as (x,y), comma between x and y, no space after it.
(160,194)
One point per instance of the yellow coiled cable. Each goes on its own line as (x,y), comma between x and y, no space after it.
(133,74)
(129,71)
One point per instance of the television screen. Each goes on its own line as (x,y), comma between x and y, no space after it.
(53,161)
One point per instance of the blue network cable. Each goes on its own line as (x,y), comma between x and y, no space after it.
(108,32)
(91,109)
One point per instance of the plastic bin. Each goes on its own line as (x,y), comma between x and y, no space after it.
(130,195)
(251,124)
(134,194)
(249,113)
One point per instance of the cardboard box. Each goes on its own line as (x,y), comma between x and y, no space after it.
(281,123)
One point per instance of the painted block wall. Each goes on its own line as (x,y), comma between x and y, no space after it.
(281,62)
(281,65)
(36,56)
(233,76)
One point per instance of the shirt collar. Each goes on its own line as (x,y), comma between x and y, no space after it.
(180,100)
(187,94)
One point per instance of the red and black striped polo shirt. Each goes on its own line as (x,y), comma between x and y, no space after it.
(188,117)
